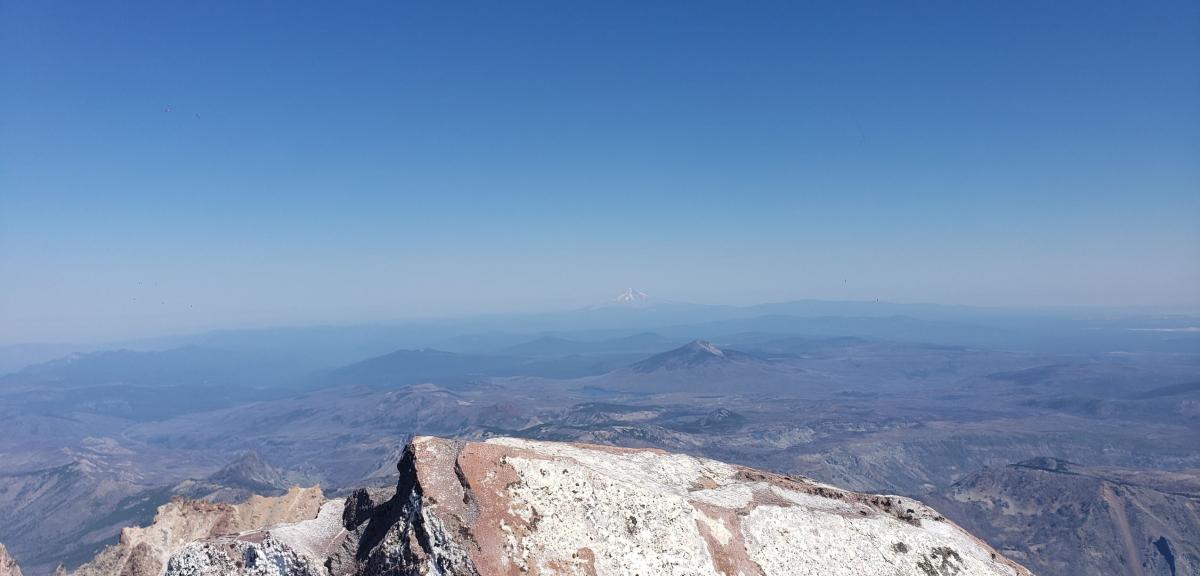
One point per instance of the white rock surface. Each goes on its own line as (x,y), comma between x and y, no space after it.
(509,506)
(227,556)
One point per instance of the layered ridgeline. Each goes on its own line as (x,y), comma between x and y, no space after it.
(509,506)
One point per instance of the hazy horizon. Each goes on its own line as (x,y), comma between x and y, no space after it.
(178,167)
(106,336)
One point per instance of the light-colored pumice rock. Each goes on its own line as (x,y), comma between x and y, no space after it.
(510,506)
(297,549)
(8,566)
(224,556)
(144,551)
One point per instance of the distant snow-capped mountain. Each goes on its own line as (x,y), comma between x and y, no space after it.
(631,296)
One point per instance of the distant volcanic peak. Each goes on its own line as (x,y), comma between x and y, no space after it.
(631,296)
(1048,464)
(702,346)
(691,355)
(721,419)
(249,471)
(722,415)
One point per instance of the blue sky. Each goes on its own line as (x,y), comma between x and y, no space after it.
(337,162)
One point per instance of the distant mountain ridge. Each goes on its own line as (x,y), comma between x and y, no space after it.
(251,473)
(1065,330)
(35,509)
(700,366)
(552,345)
(631,296)
(409,367)
(1151,518)
(694,354)
(191,367)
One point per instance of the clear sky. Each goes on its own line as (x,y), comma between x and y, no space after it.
(167,166)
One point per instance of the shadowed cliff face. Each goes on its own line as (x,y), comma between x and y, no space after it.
(509,506)
(1048,512)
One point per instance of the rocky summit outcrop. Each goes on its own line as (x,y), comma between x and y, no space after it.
(509,506)
(8,566)
(179,524)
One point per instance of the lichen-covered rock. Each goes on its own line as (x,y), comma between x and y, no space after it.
(509,506)
(8,566)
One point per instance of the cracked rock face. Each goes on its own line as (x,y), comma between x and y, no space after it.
(509,506)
